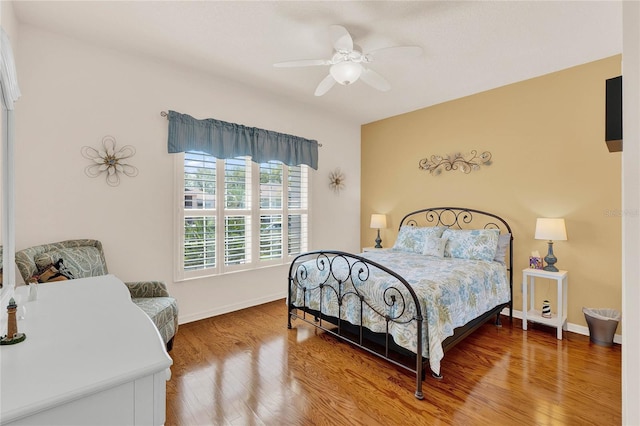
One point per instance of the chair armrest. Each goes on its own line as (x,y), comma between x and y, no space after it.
(142,289)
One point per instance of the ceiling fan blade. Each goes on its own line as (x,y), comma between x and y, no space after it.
(324,86)
(375,80)
(342,41)
(301,63)
(394,53)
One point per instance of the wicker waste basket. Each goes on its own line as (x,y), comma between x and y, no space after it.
(602,325)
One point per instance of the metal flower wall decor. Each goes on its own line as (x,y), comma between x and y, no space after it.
(436,163)
(336,180)
(109,160)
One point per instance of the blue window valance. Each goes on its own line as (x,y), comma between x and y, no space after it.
(228,140)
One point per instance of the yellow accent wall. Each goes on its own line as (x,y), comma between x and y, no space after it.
(549,159)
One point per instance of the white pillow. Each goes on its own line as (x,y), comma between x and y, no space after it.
(434,246)
(503,244)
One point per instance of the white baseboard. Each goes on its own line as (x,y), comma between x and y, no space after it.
(232,307)
(574,328)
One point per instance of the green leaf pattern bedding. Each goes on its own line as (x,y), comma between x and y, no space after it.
(451,291)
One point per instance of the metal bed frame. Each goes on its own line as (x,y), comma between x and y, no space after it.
(397,298)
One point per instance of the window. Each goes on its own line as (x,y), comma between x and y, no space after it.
(238,215)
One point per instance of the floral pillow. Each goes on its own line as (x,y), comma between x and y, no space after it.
(476,244)
(412,239)
(434,246)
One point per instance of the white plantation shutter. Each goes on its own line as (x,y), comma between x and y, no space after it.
(199,181)
(297,209)
(271,177)
(237,211)
(199,240)
(237,183)
(297,184)
(271,226)
(271,236)
(261,209)
(297,241)
(237,241)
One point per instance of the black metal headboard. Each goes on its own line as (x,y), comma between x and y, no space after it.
(463,218)
(456,217)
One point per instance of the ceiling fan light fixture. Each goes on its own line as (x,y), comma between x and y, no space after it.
(346,72)
(349,63)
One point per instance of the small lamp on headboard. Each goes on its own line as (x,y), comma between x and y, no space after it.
(378,221)
(550,229)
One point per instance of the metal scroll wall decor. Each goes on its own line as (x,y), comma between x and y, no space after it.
(436,163)
(109,160)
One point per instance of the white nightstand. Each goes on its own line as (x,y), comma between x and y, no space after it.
(366,249)
(558,319)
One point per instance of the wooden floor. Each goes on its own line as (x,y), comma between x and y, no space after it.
(247,368)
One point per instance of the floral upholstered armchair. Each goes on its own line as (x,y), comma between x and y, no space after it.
(85,258)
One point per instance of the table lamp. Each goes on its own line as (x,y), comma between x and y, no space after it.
(378,221)
(550,229)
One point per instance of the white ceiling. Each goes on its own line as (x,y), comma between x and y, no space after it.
(468,47)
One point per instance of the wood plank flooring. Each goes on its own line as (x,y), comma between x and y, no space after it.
(247,368)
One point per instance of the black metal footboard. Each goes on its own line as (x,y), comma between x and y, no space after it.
(333,289)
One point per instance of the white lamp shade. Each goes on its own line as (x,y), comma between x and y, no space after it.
(378,221)
(550,229)
(346,72)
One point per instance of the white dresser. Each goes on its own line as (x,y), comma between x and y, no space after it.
(91,357)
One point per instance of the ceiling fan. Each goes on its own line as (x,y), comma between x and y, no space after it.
(347,64)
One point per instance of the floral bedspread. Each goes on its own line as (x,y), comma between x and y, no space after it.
(451,291)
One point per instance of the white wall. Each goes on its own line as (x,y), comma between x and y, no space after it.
(9,22)
(73,94)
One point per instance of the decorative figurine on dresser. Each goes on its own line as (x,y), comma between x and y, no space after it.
(12,336)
